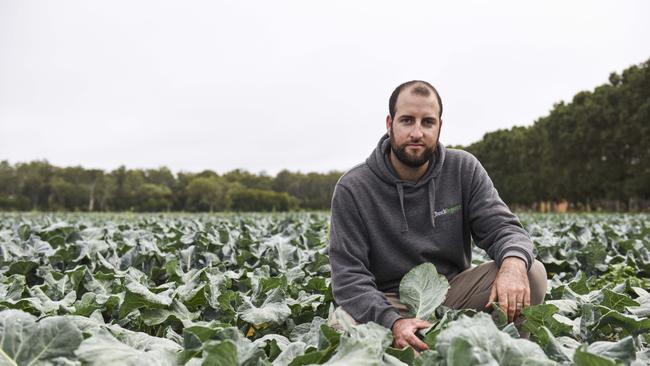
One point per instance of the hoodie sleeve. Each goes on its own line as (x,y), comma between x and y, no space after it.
(353,285)
(494,227)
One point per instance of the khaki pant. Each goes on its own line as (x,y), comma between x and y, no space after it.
(471,288)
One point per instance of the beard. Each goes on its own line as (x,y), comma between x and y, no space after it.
(413,161)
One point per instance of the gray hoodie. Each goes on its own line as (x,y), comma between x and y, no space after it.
(382,227)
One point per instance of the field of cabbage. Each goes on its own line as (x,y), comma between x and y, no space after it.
(80,289)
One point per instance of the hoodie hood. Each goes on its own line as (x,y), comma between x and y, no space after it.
(379,164)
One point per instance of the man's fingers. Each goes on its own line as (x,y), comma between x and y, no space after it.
(527,298)
(512,307)
(518,306)
(416,343)
(503,302)
(404,333)
(512,288)
(493,296)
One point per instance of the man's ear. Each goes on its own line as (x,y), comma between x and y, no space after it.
(389,121)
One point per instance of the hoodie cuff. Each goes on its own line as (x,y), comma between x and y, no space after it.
(518,254)
(389,319)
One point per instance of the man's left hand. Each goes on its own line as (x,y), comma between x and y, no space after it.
(511,288)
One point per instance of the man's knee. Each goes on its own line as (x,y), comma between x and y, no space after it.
(538,282)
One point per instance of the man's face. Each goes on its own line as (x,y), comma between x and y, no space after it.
(415,130)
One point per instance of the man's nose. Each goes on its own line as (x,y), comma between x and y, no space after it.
(416,132)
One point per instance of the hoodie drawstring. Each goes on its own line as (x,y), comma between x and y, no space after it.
(400,193)
(432,201)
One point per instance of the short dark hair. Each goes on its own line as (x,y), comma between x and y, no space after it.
(423,89)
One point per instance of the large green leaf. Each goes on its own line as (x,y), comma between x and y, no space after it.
(422,289)
(542,315)
(137,296)
(21,267)
(247,352)
(309,333)
(222,353)
(274,309)
(487,343)
(616,301)
(60,233)
(583,357)
(406,355)
(27,342)
(192,291)
(354,354)
(461,353)
(292,351)
(565,307)
(623,350)
(177,311)
(362,344)
(103,349)
(428,358)
(629,324)
(643,301)
(555,349)
(142,341)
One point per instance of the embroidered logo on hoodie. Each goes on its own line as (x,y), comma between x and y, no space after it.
(445,211)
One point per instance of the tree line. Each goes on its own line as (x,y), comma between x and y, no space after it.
(39,185)
(590,153)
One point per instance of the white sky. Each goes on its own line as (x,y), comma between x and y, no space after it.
(302,85)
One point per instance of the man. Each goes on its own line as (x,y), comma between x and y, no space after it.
(414,201)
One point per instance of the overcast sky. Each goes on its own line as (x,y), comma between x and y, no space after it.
(302,85)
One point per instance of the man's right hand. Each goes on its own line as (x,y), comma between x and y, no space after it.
(404,333)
